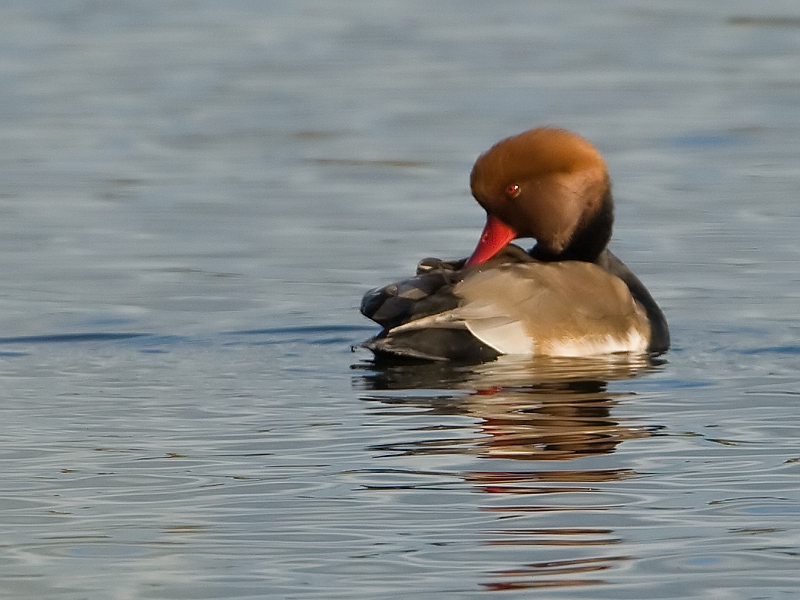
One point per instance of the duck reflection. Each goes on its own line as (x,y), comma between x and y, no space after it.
(542,410)
(545,409)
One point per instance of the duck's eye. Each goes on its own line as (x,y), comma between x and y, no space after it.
(512,191)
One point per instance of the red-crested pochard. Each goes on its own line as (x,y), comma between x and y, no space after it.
(568,296)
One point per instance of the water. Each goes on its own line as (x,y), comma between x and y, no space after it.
(194,196)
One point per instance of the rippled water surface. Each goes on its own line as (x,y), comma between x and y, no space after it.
(193,198)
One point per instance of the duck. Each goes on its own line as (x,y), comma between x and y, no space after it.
(567,296)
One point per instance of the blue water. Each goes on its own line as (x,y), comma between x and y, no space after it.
(193,198)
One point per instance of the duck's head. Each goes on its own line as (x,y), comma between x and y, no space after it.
(547,184)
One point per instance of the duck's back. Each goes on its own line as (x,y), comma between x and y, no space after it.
(513,305)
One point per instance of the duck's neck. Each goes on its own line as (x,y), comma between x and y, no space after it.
(589,241)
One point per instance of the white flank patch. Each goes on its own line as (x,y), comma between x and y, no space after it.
(609,344)
(505,336)
(509,337)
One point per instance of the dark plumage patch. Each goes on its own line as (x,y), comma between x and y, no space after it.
(412,299)
(456,345)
